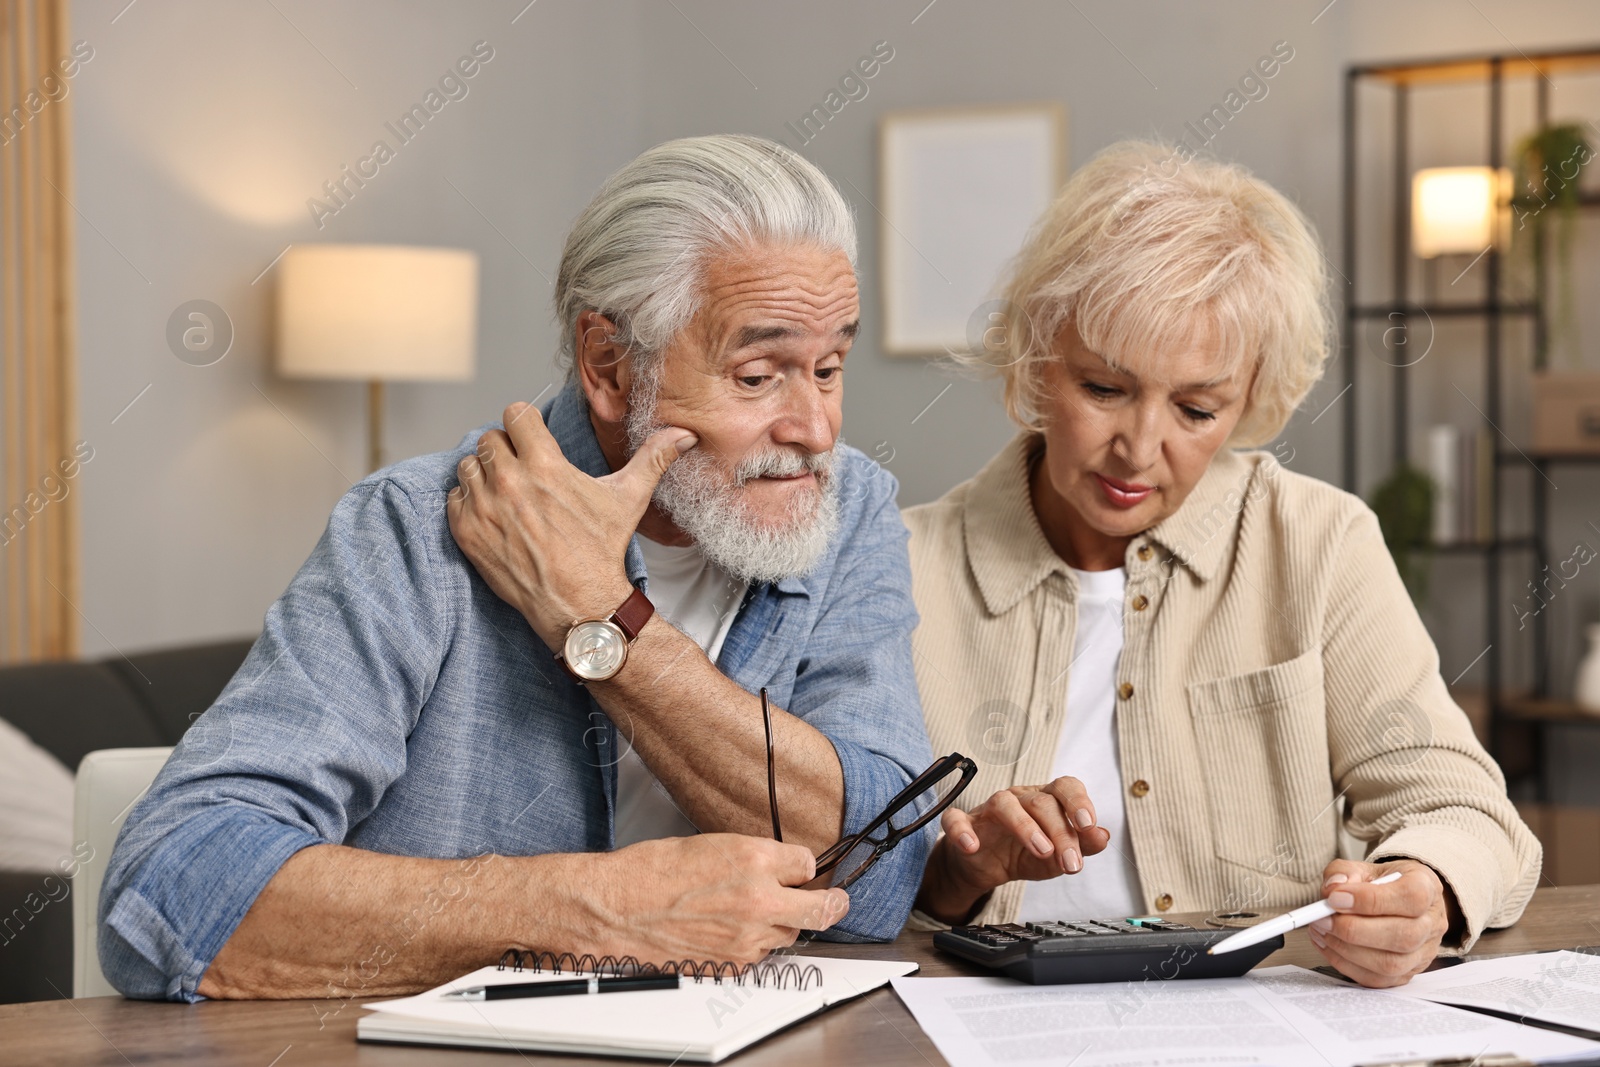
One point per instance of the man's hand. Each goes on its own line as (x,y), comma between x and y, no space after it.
(1025,832)
(336,921)
(546,537)
(1385,934)
(710,897)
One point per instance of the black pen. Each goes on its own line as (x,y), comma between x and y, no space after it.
(512,990)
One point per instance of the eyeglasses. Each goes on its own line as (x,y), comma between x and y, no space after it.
(875,847)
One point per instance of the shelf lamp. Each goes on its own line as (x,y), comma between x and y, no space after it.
(1460,210)
(377,313)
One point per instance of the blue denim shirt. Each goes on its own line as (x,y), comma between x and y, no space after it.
(394,703)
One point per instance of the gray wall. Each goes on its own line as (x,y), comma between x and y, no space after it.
(203,128)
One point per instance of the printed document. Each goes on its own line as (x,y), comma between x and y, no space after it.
(1283,1016)
(1553,987)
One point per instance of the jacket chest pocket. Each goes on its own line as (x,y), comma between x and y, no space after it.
(1263,746)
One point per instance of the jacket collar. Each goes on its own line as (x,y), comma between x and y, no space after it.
(1010,556)
(1006,547)
(1203,532)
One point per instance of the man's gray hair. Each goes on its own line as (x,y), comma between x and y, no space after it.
(638,252)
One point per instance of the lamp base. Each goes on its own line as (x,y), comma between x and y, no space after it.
(374,425)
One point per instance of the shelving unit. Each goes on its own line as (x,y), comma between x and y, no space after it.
(1517,721)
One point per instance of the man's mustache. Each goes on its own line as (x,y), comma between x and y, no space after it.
(783,463)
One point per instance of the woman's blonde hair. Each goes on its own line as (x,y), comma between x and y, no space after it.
(1148,246)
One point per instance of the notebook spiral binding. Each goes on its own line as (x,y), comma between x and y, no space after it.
(766,974)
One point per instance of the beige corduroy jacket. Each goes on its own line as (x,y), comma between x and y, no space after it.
(1272,664)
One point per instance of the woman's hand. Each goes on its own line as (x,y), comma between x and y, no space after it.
(1385,934)
(1025,832)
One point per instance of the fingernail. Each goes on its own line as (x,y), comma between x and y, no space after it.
(1341,900)
(1073,862)
(967,842)
(1322,926)
(1041,844)
(1336,879)
(687,443)
(1316,939)
(1083,819)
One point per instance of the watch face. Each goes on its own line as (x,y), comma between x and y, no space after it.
(595,650)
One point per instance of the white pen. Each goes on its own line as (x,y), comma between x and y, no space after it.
(1284,923)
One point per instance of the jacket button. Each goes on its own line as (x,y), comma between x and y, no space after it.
(1140,788)
(1125,690)
(1141,602)
(1145,551)
(1164,902)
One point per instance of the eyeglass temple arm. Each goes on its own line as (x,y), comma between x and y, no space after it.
(845,845)
(772,769)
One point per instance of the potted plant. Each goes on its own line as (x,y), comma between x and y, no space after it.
(1549,163)
(1404,506)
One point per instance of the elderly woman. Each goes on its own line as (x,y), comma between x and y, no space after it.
(1218,648)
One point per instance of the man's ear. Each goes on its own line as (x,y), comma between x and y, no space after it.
(602,364)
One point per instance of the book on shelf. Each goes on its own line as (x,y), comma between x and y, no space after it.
(1461,464)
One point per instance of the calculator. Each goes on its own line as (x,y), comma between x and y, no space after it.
(1100,950)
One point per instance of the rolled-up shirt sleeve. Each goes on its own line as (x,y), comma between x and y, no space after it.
(857,686)
(297,750)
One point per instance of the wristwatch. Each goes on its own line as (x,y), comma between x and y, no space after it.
(596,649)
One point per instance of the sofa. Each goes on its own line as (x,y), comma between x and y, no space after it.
(70,709)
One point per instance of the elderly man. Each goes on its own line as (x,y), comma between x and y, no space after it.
(402,780)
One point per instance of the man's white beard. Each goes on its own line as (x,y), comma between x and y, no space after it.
(709,505)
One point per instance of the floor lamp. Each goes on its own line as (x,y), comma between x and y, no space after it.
(377,313)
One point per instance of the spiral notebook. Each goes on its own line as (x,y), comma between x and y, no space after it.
(716,1010)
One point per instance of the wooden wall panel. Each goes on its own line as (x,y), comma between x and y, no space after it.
(39,573)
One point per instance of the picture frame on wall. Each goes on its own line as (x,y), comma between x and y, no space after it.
(959,189)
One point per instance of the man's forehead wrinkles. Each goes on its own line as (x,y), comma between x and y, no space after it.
(784,290)
(787,307)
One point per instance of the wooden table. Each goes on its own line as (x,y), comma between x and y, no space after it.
(876,1029)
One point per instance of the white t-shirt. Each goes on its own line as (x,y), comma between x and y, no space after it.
(1108,885)
(701,600)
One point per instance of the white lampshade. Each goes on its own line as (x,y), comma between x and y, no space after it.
(377,312)
(1459,210)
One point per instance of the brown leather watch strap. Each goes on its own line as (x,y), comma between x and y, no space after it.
(634,613)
